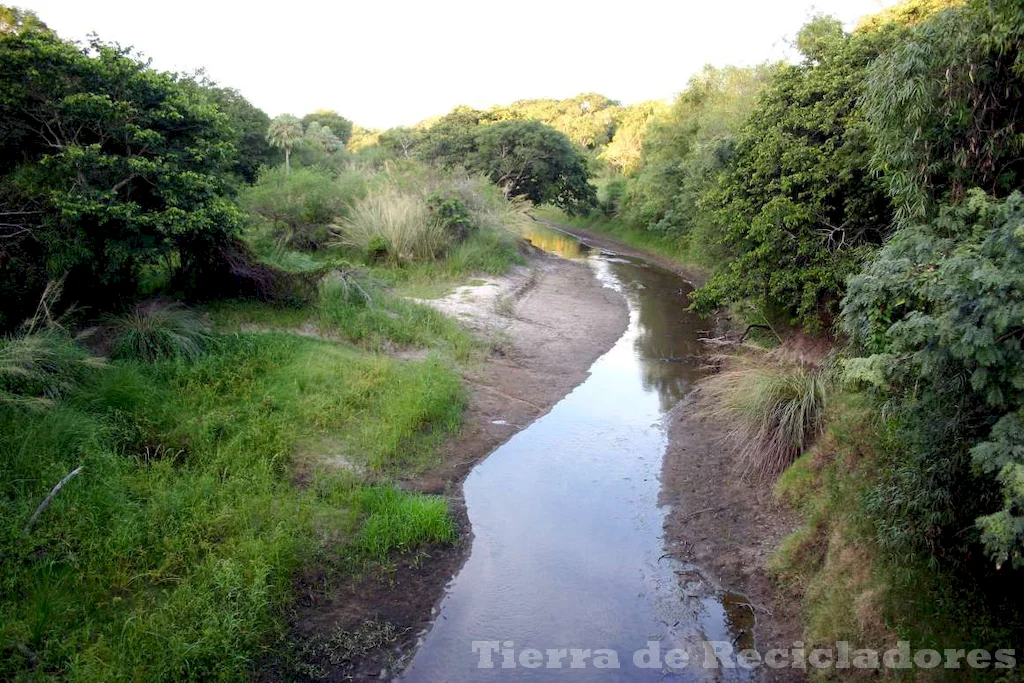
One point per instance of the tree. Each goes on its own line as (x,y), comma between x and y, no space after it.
(798,208)
(284,132)
(334,122)
(530,159)
(17,20)
(106,166)
(321,137)
(631,123)
(249,125)
(943,107)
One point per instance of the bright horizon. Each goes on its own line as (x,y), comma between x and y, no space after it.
(392,63)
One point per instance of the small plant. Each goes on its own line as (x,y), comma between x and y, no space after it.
(452,214)
(158,330)
(774,402)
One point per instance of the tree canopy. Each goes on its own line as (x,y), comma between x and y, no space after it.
(106,166)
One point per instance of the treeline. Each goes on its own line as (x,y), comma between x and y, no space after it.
(870,194)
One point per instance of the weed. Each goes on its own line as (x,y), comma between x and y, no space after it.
(775,403)
(159,330)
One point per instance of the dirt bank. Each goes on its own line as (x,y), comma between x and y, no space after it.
(547,324)
(727,527)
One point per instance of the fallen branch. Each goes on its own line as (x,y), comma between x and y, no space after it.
(701,512)
(49,499)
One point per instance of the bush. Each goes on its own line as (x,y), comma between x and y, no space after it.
(298,208)
(395,225)
(775,401)
(159,330)
(937,319)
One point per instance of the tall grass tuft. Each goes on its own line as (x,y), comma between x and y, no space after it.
(773,403)
(40,366)
(42,361)
(159,330)
(393,225)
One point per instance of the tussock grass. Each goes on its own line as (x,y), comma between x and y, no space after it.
(773,403)
(41,366)
(394,225)
(158,330)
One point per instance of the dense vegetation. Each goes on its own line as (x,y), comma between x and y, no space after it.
(199,455)
(869,195)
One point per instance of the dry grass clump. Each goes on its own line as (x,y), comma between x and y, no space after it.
(773,403)
(393,224)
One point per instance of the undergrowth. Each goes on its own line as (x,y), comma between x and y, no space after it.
(171,555)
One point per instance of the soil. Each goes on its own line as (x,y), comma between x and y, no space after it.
(546,323)
(728,527)
(725,525)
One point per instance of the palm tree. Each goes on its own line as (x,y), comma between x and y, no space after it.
(284,131)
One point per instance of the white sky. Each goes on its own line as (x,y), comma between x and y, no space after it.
(387,62)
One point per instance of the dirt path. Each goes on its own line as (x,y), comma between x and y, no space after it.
(548,323)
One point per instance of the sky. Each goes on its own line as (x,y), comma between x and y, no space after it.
(383,63)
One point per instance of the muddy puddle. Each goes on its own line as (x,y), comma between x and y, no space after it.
(568,557)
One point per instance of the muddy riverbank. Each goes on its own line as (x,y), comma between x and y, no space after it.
(546,323)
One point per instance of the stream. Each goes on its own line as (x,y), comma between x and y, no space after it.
(568,555)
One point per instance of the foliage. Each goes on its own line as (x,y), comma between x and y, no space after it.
(685,150)
(106,166)
(798,208)
(624,150)
(284,132)
(297,209)
(588,120)
(938,317)
(159,330)
(775,402)
(249,126)
(942,107)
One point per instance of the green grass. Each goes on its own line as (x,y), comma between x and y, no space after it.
(171,555)
(401,522)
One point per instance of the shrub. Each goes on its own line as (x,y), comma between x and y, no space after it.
(452,214)
(775,401)
(298,208)
(395,223)
(159,330)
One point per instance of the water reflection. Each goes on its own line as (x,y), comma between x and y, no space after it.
(554,242)
(568,549)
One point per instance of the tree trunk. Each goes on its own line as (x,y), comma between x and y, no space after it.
(287,162)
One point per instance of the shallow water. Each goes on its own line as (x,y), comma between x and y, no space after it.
(568,549)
